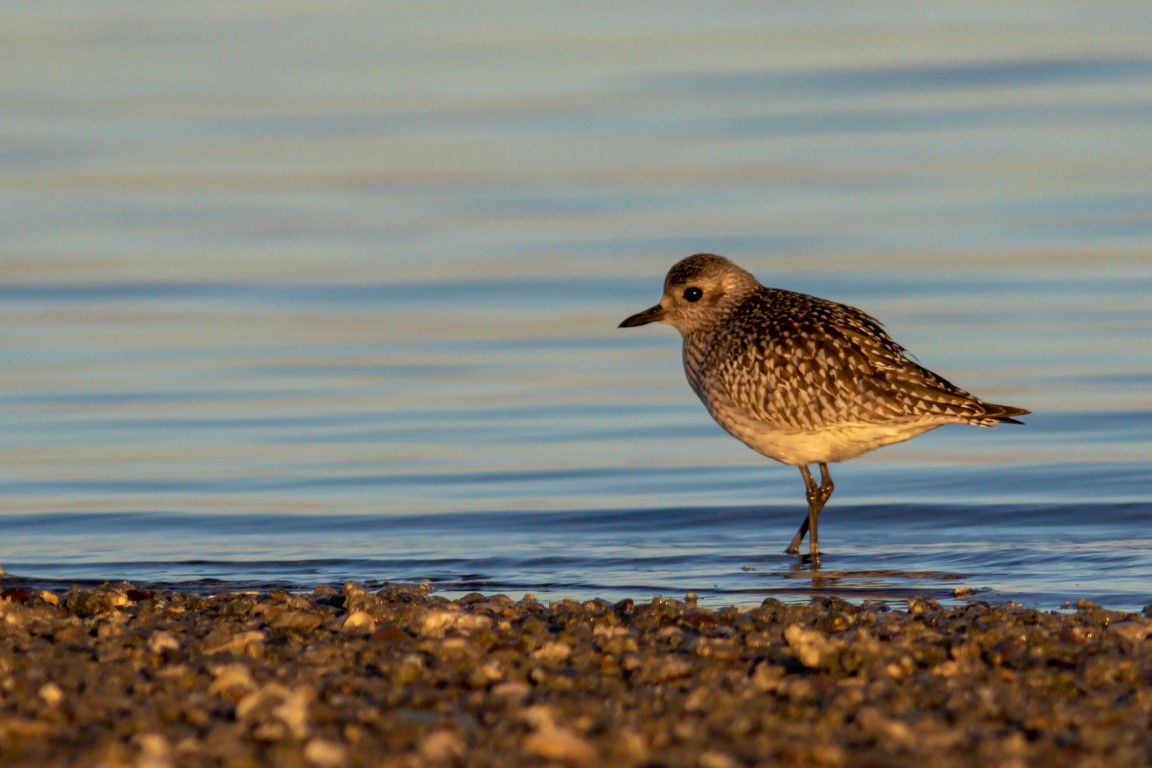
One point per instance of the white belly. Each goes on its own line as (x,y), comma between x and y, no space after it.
(838,443)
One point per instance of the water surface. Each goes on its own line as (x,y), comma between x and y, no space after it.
(332,294)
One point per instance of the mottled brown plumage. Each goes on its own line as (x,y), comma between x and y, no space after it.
(800,379)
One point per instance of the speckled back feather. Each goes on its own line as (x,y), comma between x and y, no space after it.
(803,363)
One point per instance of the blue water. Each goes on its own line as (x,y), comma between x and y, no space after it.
(331,295)
(1035,554)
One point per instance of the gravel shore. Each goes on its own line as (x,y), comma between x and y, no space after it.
(117,676)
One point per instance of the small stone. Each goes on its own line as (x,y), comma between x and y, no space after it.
(625,606)
(436,622)
(155,752)
(324,753)
(714,759)
(359,622)
(298,620)
(354,596)
(560,744)
(700,619)
(813,649)
(442,746)
(231,677)
(51,694)
(919,605)
(390,634)
(661,669)
(87,602)
(511,691)
(552,653)
(240,643)
(631,746)
(163,641)
(25,728)
(722,648)
(767,677)
(277,711)
(1134,630)
(16,595)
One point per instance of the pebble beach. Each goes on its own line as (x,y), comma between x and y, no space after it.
(121,676)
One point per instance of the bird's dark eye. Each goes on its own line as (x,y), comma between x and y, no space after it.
(693,294)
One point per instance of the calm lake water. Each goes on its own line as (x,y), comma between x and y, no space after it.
(330,293)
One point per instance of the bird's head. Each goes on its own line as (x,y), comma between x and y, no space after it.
(699,291)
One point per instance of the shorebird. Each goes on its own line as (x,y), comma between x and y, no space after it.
(800,379)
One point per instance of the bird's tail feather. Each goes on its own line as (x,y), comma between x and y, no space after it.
(999,414)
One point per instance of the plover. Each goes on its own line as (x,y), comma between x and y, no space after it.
(800,379)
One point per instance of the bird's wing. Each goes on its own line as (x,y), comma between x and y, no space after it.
(803,363)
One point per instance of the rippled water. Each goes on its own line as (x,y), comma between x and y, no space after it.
(332,294)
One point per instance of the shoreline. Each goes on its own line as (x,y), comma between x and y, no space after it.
(399,676)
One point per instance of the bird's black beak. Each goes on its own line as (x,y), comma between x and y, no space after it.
(651,315)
